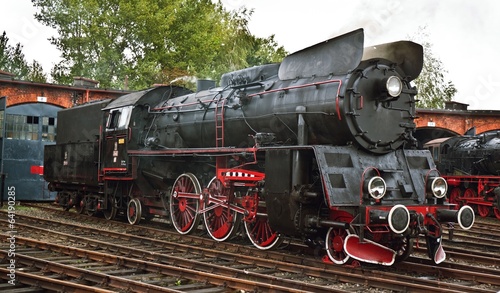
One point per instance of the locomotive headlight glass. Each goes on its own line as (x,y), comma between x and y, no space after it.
(376,187)
(394,86)
(438,187)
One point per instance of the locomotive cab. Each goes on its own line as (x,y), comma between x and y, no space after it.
(124,125)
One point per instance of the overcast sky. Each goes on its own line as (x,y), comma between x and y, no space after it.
(465,34)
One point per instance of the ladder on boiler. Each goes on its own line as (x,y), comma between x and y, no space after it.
(219,122)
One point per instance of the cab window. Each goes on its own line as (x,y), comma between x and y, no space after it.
(118,118)
(113,119)
(435,153)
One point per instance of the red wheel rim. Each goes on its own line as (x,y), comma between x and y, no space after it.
(469,192)
(134,211)
(221,220)
(335,245)
(455,194)
(335,238)
(497,213)
(261,233)
(483,211)
(184,211)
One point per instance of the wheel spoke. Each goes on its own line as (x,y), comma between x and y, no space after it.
(261,234)
(134,211)
(403,247)
(184,211)
(484,211)
(454,196)
(191,208)
(335,238)
(497,213)
(221,221)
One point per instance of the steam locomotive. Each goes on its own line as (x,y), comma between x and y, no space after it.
(471,165)
(318,147)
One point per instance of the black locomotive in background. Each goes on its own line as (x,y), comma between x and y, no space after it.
(471,166)
(318,147)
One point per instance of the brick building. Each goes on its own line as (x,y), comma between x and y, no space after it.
(83,90)
(454,119)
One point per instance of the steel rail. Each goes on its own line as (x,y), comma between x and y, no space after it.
(341,273)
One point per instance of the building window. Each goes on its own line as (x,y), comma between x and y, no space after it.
(28,127)
(49,125)
(21,127)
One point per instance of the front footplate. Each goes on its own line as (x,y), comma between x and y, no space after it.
(368,251)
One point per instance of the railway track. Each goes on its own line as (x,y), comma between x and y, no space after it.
(223,265)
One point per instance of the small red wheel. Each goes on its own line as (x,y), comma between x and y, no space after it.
(134,211)
(497,213)
(335,238)
(483,210)
(470,194)
(454,196)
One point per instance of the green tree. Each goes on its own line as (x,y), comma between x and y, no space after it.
(266,50)
(146,41)
(86,32)
(4,51)
(433,87)
(18,65)
(12,60)
(35,72)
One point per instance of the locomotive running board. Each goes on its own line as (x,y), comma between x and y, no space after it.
(368,251)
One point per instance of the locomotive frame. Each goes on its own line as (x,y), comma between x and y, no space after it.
(317,148)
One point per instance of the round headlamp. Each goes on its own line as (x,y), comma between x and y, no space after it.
(394,86)
(376,187)
(438,187)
